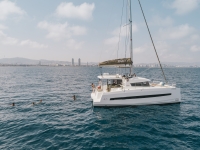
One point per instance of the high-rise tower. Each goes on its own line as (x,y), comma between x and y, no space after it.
(72,61)
(79,62)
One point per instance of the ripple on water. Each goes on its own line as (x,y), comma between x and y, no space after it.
(59,122)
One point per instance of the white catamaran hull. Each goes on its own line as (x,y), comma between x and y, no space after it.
(137,97)
(129,90)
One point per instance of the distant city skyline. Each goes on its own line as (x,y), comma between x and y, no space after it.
(25,61)
(90,30)
(79,62)
(48,63)
(72,61)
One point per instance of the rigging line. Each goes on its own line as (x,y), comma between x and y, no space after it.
(120,28)
(127,33)
(100,68)
(152,42)
(143,71)
(126,30)
(113,51)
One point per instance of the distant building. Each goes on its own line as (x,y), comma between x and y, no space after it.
(79,62)
(72,61)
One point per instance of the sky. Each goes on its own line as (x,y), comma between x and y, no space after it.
(97,30)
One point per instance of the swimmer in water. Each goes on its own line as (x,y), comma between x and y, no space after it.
(74,97)
(13,104)
(33,103)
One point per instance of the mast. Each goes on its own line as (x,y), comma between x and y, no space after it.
(131,42)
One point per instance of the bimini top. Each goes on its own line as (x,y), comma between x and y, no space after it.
(117,62)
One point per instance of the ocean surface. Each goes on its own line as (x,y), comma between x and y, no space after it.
(59,122)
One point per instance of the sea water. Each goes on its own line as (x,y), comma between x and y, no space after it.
(59,122)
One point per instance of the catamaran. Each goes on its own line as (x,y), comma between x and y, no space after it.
(128,89)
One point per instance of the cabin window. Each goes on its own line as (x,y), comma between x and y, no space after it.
(119,81)
(140,84)
(115,83)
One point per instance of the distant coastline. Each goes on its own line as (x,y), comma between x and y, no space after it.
(94,65)
(24,62)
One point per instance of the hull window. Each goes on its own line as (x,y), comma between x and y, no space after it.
(140,84)
(143,96)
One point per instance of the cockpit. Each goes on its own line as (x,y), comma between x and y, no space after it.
(120,81)
(115,83)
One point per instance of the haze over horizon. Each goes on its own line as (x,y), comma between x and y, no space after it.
(26,61)
(61,30)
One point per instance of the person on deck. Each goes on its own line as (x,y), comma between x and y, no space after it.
(100,85)
(109,82)
(109,85)
(93,87)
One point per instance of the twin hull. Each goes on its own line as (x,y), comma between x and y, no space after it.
(137,97)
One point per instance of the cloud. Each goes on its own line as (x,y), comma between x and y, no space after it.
(33,44)
(139,49)
(195,48)
(2,27)
(69,10)
(160,21)
(167,52)
(60,31)
(7,8)
(124,30)
(184,6)
(72,44)
(6,40)
(195,37)
(176,32)
(112,41)
(161,46)
(175,58)
(115,34)
(77,30)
